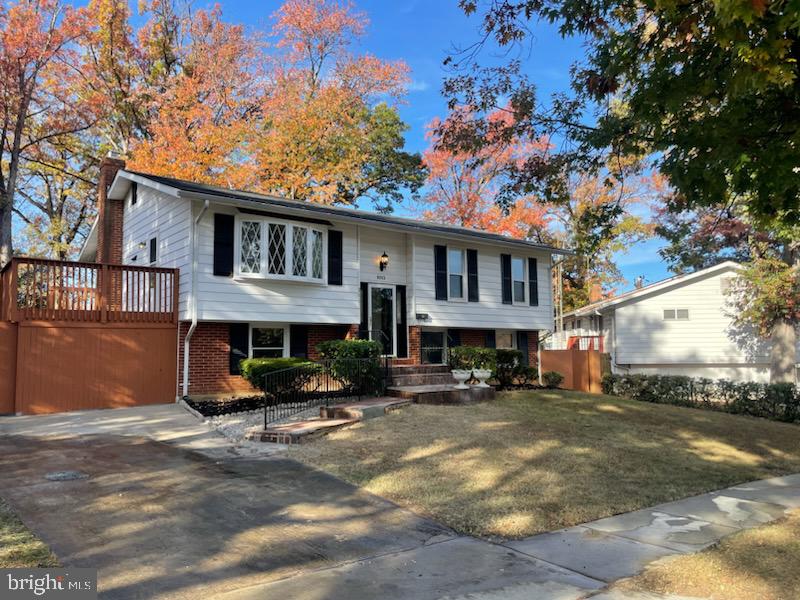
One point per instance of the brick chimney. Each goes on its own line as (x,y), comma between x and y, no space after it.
(109,213)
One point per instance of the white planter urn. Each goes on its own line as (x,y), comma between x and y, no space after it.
(482,375)
(461,376)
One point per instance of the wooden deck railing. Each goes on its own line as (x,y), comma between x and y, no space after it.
(35,289)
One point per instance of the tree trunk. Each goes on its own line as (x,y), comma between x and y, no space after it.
(782,355)
(6,247)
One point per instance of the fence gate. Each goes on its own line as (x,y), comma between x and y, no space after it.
(8,366)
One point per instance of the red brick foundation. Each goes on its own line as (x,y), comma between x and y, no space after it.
(473,337)
(325,333)
(414,344)
(209,366)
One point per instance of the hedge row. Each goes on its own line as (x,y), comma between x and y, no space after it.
(776,401)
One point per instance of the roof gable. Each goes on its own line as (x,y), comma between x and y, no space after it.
(653,289)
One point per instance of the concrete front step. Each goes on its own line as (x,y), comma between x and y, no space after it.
(441,394)
(369,409)
(418,369)
(422,379)
(298,432)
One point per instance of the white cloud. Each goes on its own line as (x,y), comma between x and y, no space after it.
(418,86)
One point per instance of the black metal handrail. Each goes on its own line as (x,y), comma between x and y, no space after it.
(288,392)
(383,339)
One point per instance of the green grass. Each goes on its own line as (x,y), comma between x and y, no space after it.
(761,563)
(19,548)
(536,461)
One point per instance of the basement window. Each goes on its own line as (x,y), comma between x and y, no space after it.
(267,342)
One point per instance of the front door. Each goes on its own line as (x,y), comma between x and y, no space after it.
(382,320)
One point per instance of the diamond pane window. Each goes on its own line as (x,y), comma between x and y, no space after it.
(251,247)
(277,249)
(299,251)
(316,254)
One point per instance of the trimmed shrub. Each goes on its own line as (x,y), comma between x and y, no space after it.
(777,401)
(255,369)
(552,379)
(508,367)
(354,363)
(529,377)
(471,357)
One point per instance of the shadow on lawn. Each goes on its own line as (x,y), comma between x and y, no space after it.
(161,522)
(534,462)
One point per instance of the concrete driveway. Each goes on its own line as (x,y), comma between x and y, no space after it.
(169,509)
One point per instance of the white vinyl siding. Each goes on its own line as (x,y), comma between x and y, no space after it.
(690,323)
(490,312)
(286,300)
(168,220)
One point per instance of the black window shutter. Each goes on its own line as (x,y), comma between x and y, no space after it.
(491,339)
(453,338)
(472,276)
(240,345)
(533,281)
(522,346)
(335,258)
(153,250)
(298,341)
(223,245)
(440,268)
(505,273)
(402,323)
(364,327)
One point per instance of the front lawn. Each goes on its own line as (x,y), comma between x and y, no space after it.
(761,563)
(19,548)
(537,461)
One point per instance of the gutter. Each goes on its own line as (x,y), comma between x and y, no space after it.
(192,299)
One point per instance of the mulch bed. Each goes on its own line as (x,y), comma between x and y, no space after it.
(226,406)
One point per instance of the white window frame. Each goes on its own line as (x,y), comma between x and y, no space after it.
(511,332)
(463,274)
(289,250)
(676,318)
(525,282)
(283,326)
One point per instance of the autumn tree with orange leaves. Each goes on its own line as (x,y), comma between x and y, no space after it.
(595,215)
(37,105)
(293,111)
(324,135)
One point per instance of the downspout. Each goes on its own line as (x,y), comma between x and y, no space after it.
(192,300)
(539,355)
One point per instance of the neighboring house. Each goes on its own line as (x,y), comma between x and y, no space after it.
(266,276)
(679,326)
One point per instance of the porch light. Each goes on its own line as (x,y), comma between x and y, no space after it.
(384,261)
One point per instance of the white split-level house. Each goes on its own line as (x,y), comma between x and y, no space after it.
(680,326)
(262,276)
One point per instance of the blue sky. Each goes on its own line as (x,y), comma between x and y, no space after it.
(422,32)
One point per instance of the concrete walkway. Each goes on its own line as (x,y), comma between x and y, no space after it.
(169,423)
(171,509)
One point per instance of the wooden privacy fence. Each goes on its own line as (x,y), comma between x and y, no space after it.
(82,335)
(582,369)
